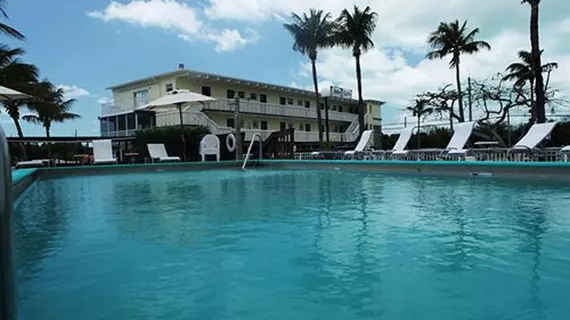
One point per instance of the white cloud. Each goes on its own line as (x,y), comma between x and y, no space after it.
(164,14)
(73,92)
(177,17)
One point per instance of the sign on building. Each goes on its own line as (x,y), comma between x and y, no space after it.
(341,92)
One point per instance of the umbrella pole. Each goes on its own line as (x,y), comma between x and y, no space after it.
(182,133)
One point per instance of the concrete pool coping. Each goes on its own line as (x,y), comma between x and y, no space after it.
(559,171)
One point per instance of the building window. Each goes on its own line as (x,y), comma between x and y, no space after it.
(241,94)
(334,108)
(289,100)
(253,96)
(307,127)
(144,120)
(131,125)
(323,106)
(103,122)
(282,101)
(141,98)
(207,91)
(262,98)
(307,104)
(122,122)
(301,127)
(282,126)
(339,109)
(290,126)
(230,122)
(299,102)
(263,125)
(169,87)
(255,124)
(241,123)
(230,94)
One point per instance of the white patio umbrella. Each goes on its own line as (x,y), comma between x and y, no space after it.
(7,94)
(177,99)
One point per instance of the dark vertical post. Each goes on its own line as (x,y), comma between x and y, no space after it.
(327,116)
(237,125)
(182,133)
(470,101)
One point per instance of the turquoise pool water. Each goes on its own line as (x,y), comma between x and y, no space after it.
(267,244)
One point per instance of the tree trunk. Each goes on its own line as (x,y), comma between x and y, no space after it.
(418,133)
(316,84)
(536,62)
(459,94)
(48,144)
(360,100)
(533,113)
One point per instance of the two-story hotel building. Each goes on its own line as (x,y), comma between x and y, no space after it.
(264,107)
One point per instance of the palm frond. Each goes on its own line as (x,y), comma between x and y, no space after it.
(9,31)
(355,29)
(32,118)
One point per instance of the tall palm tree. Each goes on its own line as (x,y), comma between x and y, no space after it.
(6,29)
(523,71)
(355,31)
(420,109)
(535,53)
(50,107)
(19,76)
(452,38)
(311,33)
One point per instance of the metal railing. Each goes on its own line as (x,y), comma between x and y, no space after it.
(250,147)
(246,106)
(195,118)
(7,282)
(491,154)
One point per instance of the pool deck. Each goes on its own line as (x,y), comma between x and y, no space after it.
(560,171)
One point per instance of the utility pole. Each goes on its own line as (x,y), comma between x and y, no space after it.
(470,101)
(237,126)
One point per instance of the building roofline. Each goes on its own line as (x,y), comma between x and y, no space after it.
(217,77)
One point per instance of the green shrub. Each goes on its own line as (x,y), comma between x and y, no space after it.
(171,138)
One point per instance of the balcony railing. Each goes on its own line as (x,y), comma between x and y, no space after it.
(193,118)
(246,106)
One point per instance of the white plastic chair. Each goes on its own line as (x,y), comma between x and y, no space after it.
(403,139)
(210,145)
(565,152)
(157,151)
(103,152)
(535,135)
(363,143)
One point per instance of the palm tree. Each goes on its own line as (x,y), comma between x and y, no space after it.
(420,109)
(535,53)
(451,38)
(355,31)
(19,76)
(50,107)
(523,71)
(6,29)
(311,33)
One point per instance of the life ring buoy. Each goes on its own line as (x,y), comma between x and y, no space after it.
(231,142)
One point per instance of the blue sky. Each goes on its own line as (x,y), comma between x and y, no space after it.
(88,45)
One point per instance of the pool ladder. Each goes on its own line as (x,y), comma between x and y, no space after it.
(255,135)
(7,282)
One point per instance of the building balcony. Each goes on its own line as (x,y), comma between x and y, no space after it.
(246,107)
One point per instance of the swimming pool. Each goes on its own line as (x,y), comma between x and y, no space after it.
(292,244)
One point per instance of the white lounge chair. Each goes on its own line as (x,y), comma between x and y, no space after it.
(210,145)
(103,152)
(403,139)
(363,143)
(32,163)
(158,152)
(461,134)
(535,135)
